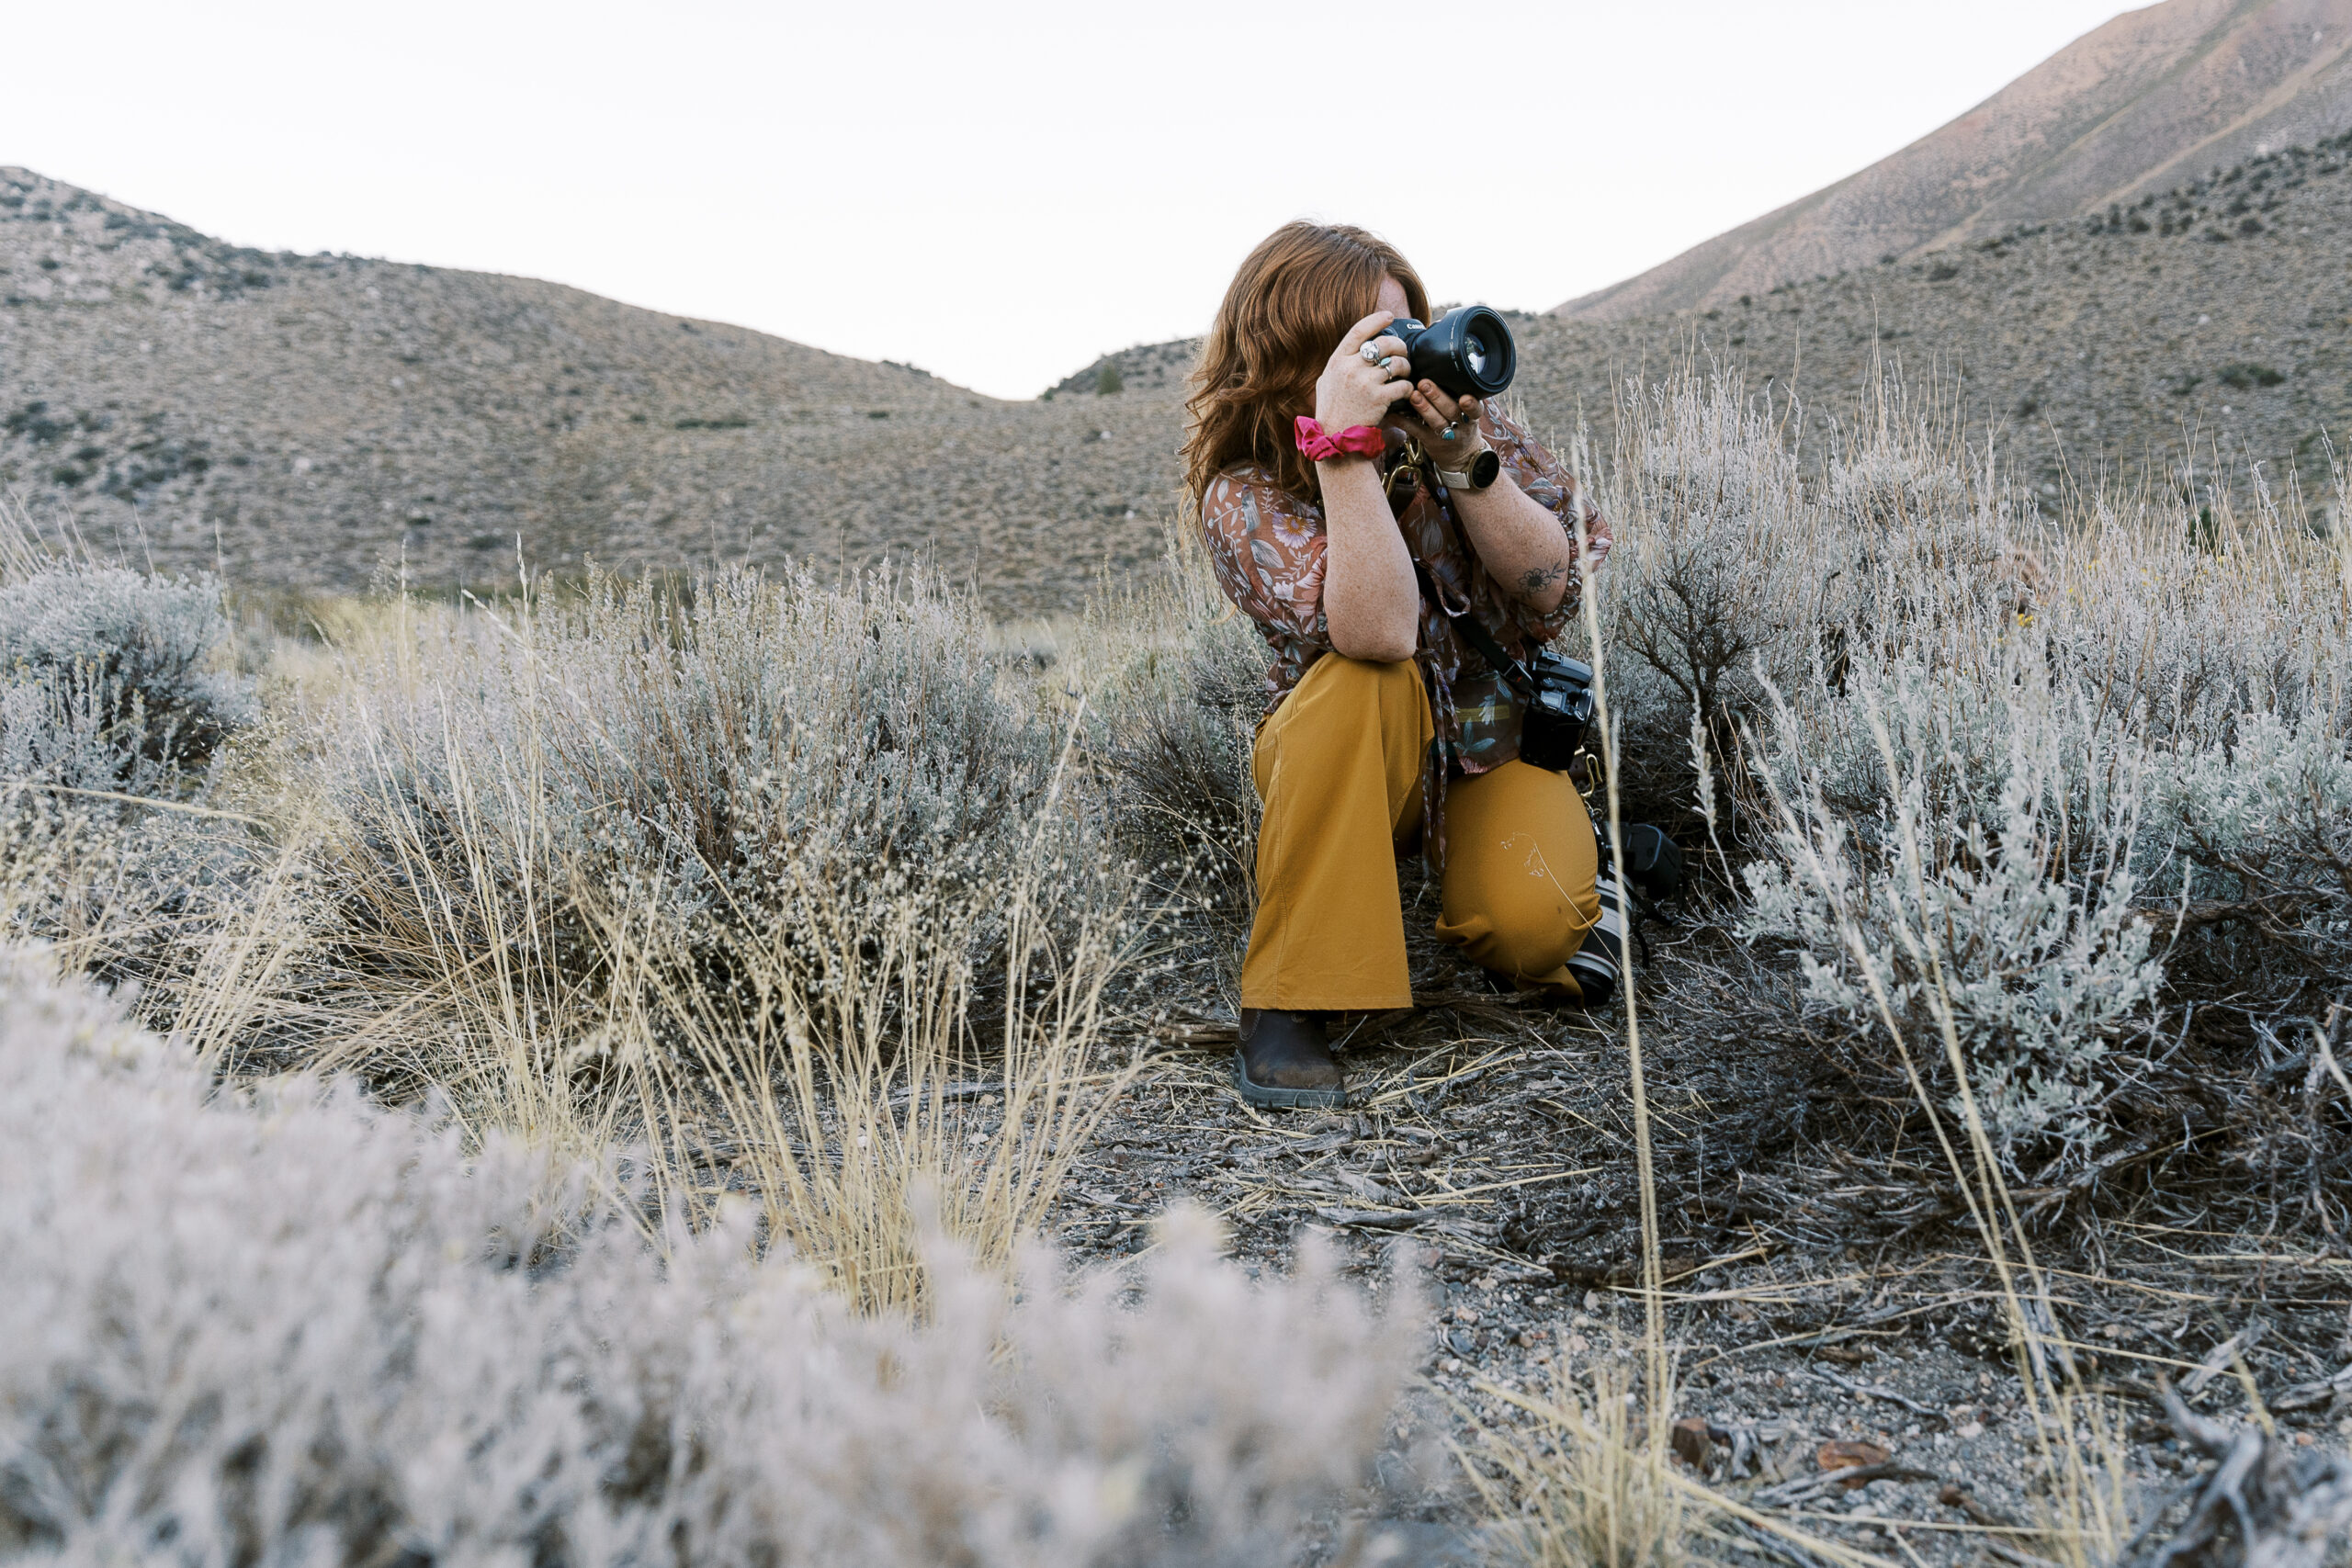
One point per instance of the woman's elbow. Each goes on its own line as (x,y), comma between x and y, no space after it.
(1385,645)
(1542,588)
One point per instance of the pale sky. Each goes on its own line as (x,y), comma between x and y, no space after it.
(995,193)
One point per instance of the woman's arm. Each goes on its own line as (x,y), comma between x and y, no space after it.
(1371,599)
(1527,548)
(1522,545)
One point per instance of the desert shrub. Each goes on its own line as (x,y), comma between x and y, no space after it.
(293,1325)
(106,680)
(113,713)
(1182,679)
(749,871)
(667,771)
(2020,785)
(1742,567)
(1928,916)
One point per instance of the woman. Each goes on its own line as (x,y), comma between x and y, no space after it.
(1368,669)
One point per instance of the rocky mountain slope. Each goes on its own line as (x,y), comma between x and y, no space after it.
(2213,324)
(316,420)
(2154,99)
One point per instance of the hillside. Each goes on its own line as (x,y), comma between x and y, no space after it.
(2217,318)
(314,420)
(2151,100)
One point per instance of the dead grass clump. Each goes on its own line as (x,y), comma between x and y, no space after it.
(1578,1482)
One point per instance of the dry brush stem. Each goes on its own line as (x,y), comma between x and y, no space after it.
(2268,1504)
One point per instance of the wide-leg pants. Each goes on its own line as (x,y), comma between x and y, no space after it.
(1339,767)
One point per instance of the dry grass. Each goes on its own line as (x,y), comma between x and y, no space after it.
(829,906)
(674,881)
(1582,1483)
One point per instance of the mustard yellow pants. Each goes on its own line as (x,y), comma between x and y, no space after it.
(1339,767)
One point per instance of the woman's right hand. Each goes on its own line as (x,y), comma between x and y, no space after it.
(1353,390)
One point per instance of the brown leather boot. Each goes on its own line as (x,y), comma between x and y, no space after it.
(1284,1062)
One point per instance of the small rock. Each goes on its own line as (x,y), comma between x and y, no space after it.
(1849,1454)
(1692,1443)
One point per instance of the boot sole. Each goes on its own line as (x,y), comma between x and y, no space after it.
(1268,1098)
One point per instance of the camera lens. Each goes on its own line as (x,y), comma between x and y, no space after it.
(1469,354)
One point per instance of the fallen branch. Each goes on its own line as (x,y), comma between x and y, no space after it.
(2219,1357)
(1804,1489)
(1878,1390)
(2268,1504)
(2304,1397)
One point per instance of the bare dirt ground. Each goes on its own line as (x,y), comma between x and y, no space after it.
(1818,1289)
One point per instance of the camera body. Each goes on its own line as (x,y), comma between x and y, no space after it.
(1559,709)
(1470,354)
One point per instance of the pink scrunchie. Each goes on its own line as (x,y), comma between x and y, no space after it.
(1363,440)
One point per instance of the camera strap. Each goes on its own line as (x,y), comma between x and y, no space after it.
(1465,621)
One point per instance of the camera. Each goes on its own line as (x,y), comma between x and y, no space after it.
(1469,355)
(1558,691)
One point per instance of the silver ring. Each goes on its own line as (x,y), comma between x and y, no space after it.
(1390,364)
(1371,354)
(1446,434)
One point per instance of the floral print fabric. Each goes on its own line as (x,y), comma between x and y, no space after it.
(1267,547)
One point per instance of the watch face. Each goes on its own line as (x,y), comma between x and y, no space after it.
(1484,469)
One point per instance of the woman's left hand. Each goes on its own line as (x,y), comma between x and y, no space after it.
(1433,412)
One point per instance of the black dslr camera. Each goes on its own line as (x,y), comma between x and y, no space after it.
(1469,355)
(1558,692)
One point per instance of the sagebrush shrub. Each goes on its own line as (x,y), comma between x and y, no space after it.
(1182,679)
(2032,776)
(113,712)
(669,770)
(289,1325)
(106,680)
(1951,919)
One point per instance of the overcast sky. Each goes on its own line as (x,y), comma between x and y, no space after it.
(996,192)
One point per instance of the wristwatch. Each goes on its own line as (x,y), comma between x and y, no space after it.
(1482,472)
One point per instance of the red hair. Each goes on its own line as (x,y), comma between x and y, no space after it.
(1292,301)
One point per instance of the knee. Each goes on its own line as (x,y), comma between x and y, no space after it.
(1525,925)
(1528,943)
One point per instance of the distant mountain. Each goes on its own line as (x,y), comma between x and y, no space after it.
(2152,101)
(2210,327)
(314,420)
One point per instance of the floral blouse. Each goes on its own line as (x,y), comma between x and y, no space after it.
(1267,547)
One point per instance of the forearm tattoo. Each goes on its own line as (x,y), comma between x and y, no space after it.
(1536,578)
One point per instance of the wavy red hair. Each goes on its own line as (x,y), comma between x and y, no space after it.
(1292,301)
